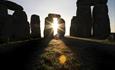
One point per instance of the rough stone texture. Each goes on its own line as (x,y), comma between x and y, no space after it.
(99,21)
(3,15)
(6,31)
(6,21)
(3,19)
(5,28)
(61,29)
(48,31)
(101,28)
(73,28)
(35,26)
(84,21)
(21,26)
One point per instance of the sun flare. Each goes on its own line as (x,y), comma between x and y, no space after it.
(55,26)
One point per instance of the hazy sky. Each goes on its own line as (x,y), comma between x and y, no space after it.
(66,8)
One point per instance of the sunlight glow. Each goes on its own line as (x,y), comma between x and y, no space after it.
(55,26)
(62,59)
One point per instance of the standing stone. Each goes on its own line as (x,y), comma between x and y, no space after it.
(3,22)
(6,32)
(6,21)
(21,26)
(73,28)
(84,21)
(99,21)
(101,26)
(48,28)
(48,31)
(3,17)
(35,26)
(61,29)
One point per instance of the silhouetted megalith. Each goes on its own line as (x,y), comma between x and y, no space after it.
(61,29)
(3,21)
(35,26)
(73,28)
(101,26)
(48,31)
(21,25)
(3,15)
(99,21)
(84,20)
(6,31)
(6,20)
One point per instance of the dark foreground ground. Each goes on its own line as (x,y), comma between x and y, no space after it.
(43,54)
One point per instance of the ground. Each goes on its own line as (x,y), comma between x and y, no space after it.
(58,54)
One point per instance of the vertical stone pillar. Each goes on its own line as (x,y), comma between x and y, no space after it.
(101,25)
(84,18)
(73,28)
(21,26)
(3,21)
(35,26)
(48,30)
(61,29)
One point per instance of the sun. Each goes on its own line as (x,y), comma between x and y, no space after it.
(55,26)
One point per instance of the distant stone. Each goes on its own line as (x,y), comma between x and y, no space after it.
(48,31)
(73,28)
(61,29)
(84,20)
(35,26)
(96,23)
(21,25)
(101,26)
(12,27)
(5,31)
(3,15)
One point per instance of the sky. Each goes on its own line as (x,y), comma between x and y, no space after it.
(66,8)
